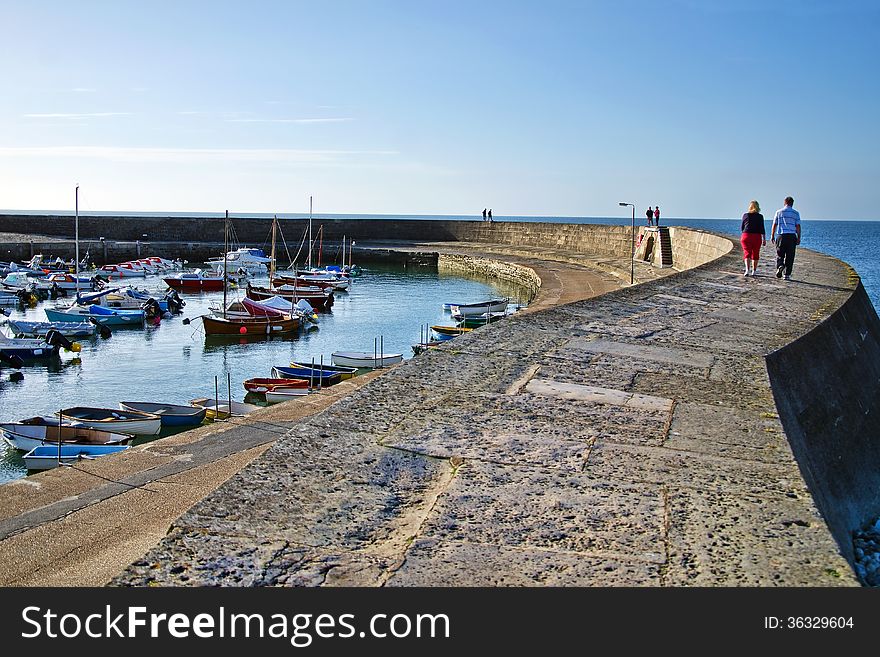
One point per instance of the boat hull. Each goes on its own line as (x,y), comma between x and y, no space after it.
(314,375)
(466,309)
(320,300)
(172,415)
(25,437)
(362,359)
(48,456)
(80,315)
(223,409)
(39,329)
(250,326)
(285,394)
(259,385)
(345,372)
(109,419)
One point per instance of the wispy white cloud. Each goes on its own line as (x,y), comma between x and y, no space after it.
(88,115)
(328,120)
(194,155)
(81,90)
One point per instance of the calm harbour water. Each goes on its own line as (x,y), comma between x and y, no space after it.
(174,363)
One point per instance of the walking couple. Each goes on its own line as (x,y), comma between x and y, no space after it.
(487,215)
(653,215)
(786,223)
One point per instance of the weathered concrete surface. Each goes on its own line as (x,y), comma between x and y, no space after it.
(630,439)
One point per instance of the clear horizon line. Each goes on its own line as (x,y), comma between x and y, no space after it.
(260,215)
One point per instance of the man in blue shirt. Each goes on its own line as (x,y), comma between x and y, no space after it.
(788,222)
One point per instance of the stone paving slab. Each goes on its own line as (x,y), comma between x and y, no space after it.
(745,435)
(636,352)
(474,564)
(731,538)
(686,469)
(597,395)
(549,509)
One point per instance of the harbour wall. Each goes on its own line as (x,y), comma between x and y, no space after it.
(826,385)
(825,382)
(114,239)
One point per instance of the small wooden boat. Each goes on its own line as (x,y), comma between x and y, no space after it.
(321,299)
(475,321)
(39,329)
(344,371)
(448,332)
(364,359)
(45,457)
(315,375)
(27,348)
(285,394)
(223,409)
(25,437)
(99,314)
(118,421)
(195,281)
(122,270)
(280,325)
(268,385)
(491,306)
(172,415)
(65,281)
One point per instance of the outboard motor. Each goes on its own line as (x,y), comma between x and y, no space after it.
(103,331)
(56,339)
(152,310)
(175,303)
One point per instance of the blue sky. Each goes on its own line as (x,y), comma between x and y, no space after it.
(550,108)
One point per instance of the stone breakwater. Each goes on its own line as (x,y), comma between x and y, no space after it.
(629,439)
(654,435)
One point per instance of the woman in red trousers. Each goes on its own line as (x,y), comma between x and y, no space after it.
(753,237)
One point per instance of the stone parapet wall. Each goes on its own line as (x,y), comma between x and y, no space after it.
(695,247)
(691,248)
(826,385)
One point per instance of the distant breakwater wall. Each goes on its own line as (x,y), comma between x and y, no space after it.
(191,235)
(826,385)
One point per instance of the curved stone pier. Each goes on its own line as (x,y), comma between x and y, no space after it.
(625,439)
(629,439)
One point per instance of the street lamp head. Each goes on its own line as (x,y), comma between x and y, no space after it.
(622,203)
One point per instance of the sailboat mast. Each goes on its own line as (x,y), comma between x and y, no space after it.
(272,262)
(76,206)
(225,252)
(310,233)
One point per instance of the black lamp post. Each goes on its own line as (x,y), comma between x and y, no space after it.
(632,243)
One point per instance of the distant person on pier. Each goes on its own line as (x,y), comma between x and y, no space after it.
(788,222)
(484,214)
(649,213)
(753,238)
(490,215)
(656,215)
